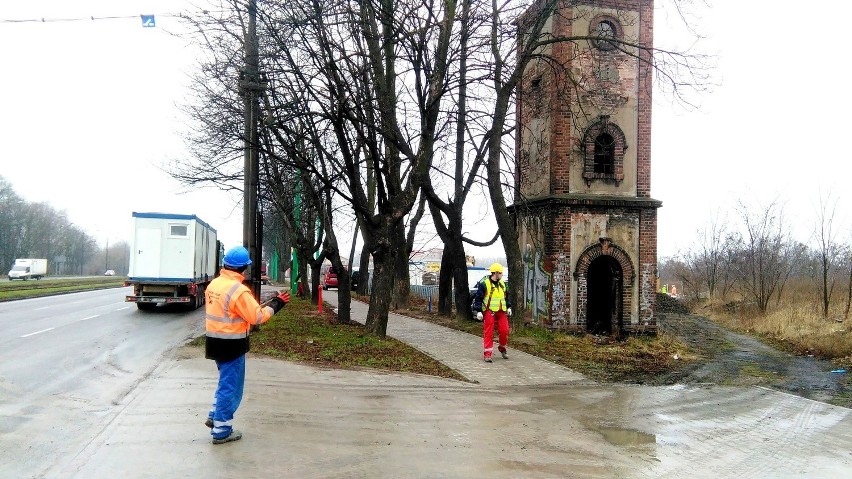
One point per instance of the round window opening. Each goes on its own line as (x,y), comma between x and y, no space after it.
(606,32)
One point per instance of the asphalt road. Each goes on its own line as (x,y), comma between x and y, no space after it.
(66,361)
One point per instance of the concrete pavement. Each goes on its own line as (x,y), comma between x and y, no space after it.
(523,417)
(463,352)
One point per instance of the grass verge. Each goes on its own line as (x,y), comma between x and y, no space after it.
(10,290)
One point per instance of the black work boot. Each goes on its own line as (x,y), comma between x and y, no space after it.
(234,436)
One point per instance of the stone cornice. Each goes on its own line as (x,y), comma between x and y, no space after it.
(587,200)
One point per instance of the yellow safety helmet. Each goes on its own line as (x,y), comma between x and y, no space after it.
(496,268)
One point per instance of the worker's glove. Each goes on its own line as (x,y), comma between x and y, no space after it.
(279,301)
(509,312)
(276,304)
(479,315)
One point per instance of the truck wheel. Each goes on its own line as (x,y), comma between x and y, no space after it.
(199,302)
(146,306)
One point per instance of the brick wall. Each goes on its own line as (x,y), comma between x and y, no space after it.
(559,215)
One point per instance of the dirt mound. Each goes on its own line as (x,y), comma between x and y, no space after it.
(667,304)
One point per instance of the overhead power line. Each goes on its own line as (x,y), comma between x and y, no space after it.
(79,19)
(97,18)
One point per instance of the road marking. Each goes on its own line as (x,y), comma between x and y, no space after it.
(37,332)
(90,317)
(39,309)
(119,309)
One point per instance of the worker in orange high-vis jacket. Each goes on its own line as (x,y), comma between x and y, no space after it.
(231,311)
(492,306)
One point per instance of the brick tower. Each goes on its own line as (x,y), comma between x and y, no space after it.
(583,206)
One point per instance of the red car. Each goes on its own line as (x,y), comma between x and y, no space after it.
(330,279)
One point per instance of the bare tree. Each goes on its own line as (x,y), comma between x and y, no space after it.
(38,230)
(369,86)
(712,252)
(763,258)
(827,248)
(848,256)
(11,211)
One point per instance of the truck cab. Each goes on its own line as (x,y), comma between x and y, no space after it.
(27,268)
(19,272)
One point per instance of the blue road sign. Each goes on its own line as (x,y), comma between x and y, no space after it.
(148,21)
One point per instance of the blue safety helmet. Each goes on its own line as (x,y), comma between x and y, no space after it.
(237,257)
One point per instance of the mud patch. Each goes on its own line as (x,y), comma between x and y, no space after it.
(734,359)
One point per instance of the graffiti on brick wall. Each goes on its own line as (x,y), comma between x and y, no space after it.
(582,299)
(561,287)
(536,284)
(646,291)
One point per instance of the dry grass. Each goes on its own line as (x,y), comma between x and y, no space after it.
(794,323)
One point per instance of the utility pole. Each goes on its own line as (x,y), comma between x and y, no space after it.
(250,86)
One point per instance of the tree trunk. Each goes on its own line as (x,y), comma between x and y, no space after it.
(384,266)
(364,272)
(445,282)
(848,294)
(402,281)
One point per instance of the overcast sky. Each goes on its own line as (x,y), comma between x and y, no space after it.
(88,116)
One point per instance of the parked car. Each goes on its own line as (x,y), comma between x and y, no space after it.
(475,275)
(330,279)
(109,272)
(354,278)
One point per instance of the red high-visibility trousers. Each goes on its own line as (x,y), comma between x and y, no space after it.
(488,319)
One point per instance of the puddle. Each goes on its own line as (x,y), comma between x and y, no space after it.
(625,437)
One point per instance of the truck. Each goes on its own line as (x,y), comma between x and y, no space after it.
(173,257)
(28,268)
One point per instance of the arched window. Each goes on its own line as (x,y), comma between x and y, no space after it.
(604,145)
(605,30)
(604,154)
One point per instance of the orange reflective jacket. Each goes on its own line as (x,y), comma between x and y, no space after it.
(231,307)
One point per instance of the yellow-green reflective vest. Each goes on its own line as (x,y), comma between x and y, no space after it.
(497,301)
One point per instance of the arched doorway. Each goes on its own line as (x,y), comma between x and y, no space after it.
(603,306)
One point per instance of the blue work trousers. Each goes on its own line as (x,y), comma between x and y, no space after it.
(229,394)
